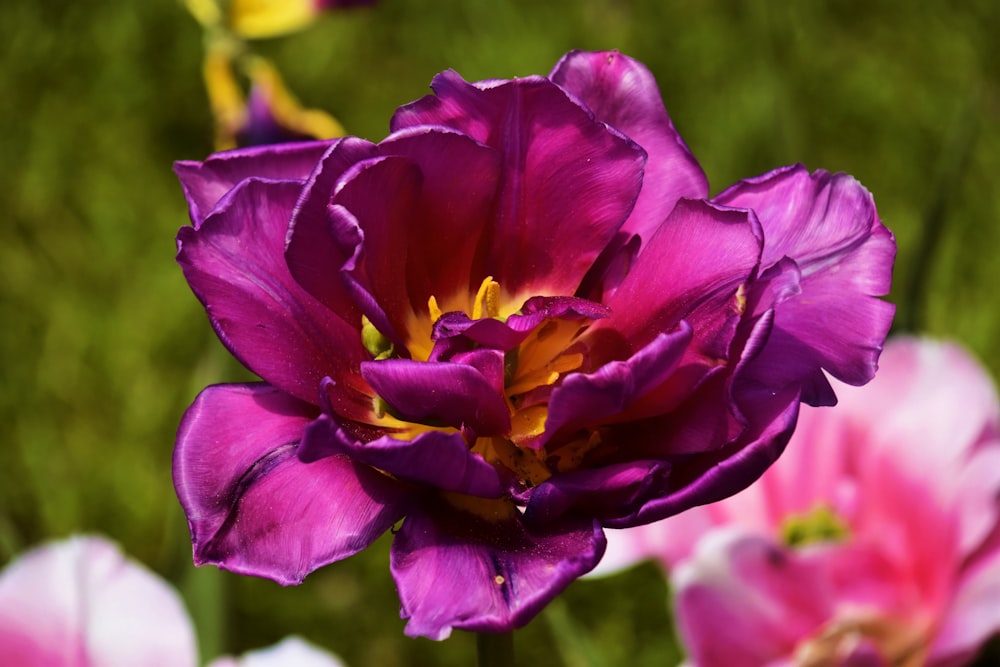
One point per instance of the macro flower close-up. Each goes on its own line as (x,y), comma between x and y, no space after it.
(875,539)
(516,321)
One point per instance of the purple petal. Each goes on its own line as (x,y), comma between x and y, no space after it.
(621,92)
(436,458)
(253,507)
(206,182)
(613,391)
(455,394)
(506,335)
(691,269)
(567,182)
(713,475)
(827,224)
(456,570)
(235,264)
(318,247)
(603,493)
(421,209)
(81,602)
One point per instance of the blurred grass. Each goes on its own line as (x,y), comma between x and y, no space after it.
(103,346)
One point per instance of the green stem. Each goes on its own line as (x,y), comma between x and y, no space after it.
(495,650)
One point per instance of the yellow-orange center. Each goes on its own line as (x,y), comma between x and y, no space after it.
(541,359)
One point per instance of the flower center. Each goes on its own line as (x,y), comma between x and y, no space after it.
(538,346)
(821,524)
(889,640)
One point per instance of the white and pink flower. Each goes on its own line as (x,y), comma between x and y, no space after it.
(874,540)
(80,602)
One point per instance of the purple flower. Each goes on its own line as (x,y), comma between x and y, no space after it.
(515,321)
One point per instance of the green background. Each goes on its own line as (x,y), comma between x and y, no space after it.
(103,345)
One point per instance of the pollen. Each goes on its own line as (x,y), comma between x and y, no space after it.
(498,580)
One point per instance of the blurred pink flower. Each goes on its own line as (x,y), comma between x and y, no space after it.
(80,602)
(289,652)
(874,540)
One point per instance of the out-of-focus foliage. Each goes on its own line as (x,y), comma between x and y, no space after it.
(103,346)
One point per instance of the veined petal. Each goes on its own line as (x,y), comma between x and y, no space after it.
(253,507)
(437,458)
(206,182)
(621,92)
(421,239)
(455,570)
(320,244)
(692,269)
(235,264)
(455,394)
(827,224)
(81,602)
(567,182)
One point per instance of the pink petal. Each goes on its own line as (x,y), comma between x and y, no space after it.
(742,600)
(81,602)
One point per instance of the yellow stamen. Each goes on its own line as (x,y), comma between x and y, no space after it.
(487,302)
(434,309)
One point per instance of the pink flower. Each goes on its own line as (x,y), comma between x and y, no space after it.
(874,540)
(81,603)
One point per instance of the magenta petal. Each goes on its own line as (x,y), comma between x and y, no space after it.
(712,476)
(621,92)
(253,507)
(437,458)
(613,391)
(206,182)
(691,269)
(612,491)
(765,597)
(455,570)
(455,394)
(235,264)
(318,244)
(827,224)
(567,182)
(421,207)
